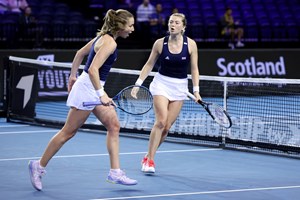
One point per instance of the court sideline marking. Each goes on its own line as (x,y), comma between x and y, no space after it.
(106,154)
(204,192)
(22,132)
(13,126)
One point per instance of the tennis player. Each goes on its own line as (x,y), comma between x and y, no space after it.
(102,52)
(175,53)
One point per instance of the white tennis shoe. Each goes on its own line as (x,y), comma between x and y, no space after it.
(36,172)
(119,177)
(148,166)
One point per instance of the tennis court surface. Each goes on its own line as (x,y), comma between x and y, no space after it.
(255,159)
(184,171)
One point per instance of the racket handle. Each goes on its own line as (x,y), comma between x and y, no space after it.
(191,96)
(194,98)
(91,103)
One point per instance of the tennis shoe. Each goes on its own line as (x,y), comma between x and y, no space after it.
(149,167)
(120,178)
(240,44)
(143,162)
(231,45)
(36,172)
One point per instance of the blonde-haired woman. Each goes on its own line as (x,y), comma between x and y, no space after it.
(176,52)
(89,86)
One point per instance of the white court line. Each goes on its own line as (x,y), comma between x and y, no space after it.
(106,154)
(18,132)
(12,126)
(204,192)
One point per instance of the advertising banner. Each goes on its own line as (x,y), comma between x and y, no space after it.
(256,63)
(23,91)
(250,63)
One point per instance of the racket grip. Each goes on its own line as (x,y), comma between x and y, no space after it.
(191,95)
(91,103)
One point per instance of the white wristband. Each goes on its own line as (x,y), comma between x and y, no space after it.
(100,92)
(196,89)
(139,82)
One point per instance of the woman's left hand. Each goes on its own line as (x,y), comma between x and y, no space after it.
(71,82)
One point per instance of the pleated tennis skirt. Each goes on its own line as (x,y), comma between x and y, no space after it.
(83,91)
(174,89)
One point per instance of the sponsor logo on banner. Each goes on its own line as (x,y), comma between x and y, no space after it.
(49,57)
(26,83)
(54,80)
(251,67)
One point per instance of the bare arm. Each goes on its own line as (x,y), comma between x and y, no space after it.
(155,52)
(104,47)
(194,67)
(79,56)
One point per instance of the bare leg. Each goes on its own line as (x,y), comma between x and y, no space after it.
(74,121)
(232,34)
(166,113)
(173,112)
(161,109)
(240,33)
(108,117)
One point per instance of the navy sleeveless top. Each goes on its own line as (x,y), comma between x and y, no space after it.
(174,65)
(105,68)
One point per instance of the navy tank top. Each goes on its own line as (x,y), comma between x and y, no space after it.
(174,65)
(105,68)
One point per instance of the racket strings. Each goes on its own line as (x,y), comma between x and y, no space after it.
(140,104)
(219,115)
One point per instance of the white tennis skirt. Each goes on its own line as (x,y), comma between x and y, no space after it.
(83,91)
(172,88)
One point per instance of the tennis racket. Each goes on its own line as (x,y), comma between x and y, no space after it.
(139,104)
(217,113)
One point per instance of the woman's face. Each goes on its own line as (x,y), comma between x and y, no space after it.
(129,28)
(175,25)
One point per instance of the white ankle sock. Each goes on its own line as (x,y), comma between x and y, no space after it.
(115,170)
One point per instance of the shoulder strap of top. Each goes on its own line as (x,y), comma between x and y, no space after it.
(185,39)
(166,39)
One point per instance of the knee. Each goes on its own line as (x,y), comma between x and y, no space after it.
(113,127)
(113,132)
(65,136)
(69,136)
(167,129)
(160,125)
(116,128)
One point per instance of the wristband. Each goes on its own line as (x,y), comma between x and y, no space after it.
(195,88)
(100,92)
(139,82)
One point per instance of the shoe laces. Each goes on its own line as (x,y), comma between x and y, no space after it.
(40,172)
(145,159)
(151,163)
(122,176)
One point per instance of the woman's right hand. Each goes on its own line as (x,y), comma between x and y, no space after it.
(134,92)
(106,100)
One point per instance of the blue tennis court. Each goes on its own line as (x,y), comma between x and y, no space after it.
(189,166)
(184,171)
